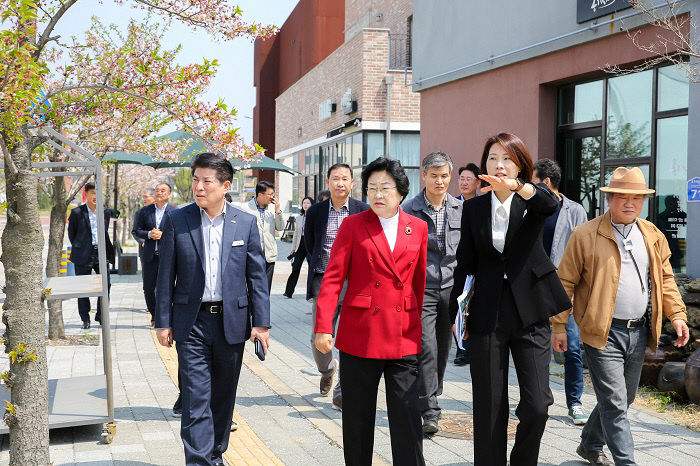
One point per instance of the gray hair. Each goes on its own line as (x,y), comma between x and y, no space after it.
(436,159)
(151,191)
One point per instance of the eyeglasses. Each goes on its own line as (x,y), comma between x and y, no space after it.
(373,191)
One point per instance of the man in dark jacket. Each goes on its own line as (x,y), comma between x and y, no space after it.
(443,213)
(322,222)
(82,233)
(147,228)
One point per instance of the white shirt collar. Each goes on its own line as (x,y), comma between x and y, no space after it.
(163,208)
(346,205)
(391,221)
(495,203)
(203,213)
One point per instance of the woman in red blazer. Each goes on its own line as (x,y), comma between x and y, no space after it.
(382,254)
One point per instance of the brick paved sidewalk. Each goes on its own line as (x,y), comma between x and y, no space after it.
(278,403)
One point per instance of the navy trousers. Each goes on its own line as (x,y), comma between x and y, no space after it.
(84,303)
(209,369)
(150,274)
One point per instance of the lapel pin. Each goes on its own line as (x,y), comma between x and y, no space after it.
(408,230)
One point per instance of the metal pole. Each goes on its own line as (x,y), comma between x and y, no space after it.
(389,80)
(117,246)
(104,273)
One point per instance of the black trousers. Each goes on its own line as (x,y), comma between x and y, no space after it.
(209,368)
(269,271)
(299,256)
(435,348)
(84,303)
(150,275)
(359,379)
(530,348)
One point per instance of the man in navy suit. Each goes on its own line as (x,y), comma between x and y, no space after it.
(82,233)
(322,222)
(211,297)
(147,228)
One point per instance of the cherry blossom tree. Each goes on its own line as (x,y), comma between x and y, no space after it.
(109,90)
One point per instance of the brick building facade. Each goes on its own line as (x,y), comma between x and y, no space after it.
(336,111)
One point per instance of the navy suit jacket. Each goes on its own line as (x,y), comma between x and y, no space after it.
(315,233)
(80,236)
(180,284)
(144,222)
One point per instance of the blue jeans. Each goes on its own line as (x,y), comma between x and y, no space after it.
(615,373)
(573,365)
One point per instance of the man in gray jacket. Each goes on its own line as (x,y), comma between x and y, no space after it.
(555,235)
(443,213)
(268,223)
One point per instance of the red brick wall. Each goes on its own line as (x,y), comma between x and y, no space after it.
(360,64)
(361,14)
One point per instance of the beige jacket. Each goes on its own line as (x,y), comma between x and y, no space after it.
(590,271)
(298,232)
(273,222)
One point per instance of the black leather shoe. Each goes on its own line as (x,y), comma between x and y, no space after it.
(462,358)
(430,425)
(177,407)
(86,324)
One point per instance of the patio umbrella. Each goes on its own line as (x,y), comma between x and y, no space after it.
(197,146)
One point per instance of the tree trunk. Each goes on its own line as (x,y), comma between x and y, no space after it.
(57,229)
(23,313)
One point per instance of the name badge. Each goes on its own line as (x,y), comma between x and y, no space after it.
(237,243)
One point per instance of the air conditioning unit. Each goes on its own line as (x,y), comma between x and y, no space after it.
(325,109)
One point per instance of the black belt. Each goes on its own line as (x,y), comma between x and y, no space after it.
(155,252)
(213,307)
(629,323)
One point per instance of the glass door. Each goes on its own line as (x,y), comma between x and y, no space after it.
(579,156)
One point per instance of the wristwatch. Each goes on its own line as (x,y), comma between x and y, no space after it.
(520,185)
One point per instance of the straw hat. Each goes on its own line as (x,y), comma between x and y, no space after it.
(627,181)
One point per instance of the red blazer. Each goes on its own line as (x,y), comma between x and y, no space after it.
(381,312)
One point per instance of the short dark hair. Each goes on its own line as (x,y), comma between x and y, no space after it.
(548,168)
(263,186)
(393,168)
(470,167)
(89,186)
(339,165)
(224,169)
(323,195)
(170,188)
(516,149)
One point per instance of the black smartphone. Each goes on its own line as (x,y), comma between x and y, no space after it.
(259,352)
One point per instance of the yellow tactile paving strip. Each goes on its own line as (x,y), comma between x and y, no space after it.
(244,448)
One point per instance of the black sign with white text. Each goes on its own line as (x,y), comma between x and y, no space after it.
(587,10)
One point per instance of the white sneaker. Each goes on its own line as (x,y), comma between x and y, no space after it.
(578,415)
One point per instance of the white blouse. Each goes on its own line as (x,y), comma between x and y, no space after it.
(391,229)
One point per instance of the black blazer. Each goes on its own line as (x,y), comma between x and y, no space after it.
(315,233)
(80,236)
(536,287)
(145,222)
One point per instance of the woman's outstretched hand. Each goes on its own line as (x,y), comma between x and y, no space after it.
(497,183)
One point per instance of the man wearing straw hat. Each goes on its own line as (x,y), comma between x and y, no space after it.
(617,271)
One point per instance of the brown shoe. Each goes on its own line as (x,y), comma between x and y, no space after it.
(327,380)
(595,457)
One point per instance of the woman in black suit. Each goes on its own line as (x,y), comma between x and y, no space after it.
(516,290)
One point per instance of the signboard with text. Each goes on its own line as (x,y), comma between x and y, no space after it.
(694,189)
(587,10)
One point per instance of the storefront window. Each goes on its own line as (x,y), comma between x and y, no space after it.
(582,175)
(673,89)
(375,146)
(671,195)
(629,116)
(581,103)
(356,158)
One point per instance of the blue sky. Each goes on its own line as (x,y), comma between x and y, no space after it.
(234,80)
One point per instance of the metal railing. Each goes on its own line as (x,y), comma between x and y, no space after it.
(399,51)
